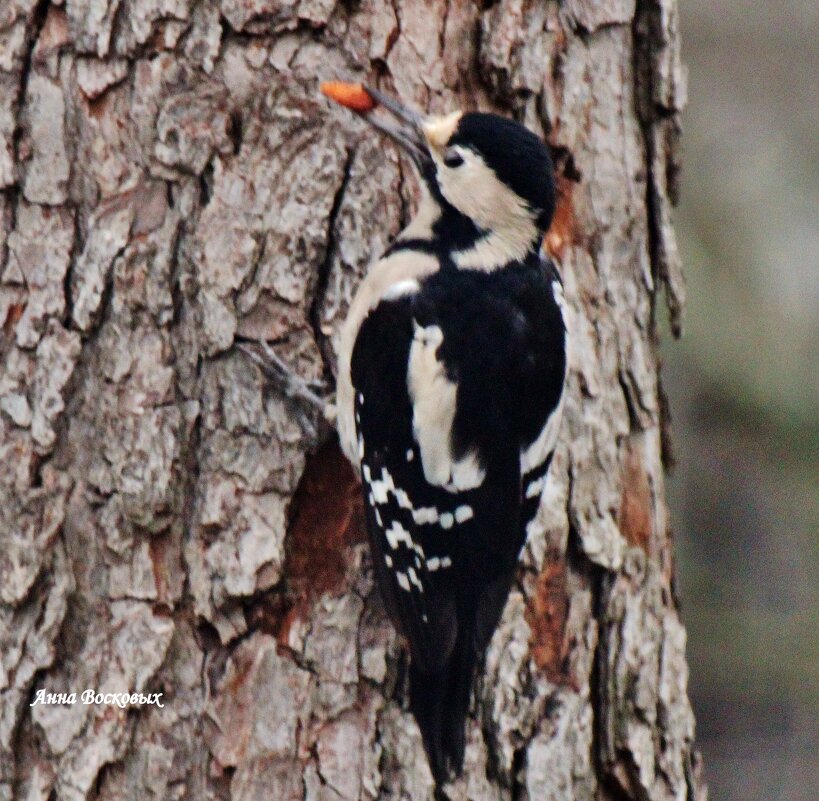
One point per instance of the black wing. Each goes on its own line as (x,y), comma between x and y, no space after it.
(407,518)
(444,560)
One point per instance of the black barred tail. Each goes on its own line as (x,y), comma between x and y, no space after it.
(440,703)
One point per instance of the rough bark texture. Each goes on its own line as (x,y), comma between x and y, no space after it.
(172,183)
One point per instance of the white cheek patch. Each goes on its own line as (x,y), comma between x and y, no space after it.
(474,189)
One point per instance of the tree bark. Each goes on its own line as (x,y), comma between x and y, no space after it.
(171,184)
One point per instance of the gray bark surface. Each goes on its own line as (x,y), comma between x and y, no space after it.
(171,184)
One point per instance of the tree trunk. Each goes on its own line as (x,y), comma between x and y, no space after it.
(172,184)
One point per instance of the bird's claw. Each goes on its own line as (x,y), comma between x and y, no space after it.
(305,394)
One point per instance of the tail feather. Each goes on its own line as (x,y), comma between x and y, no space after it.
(440,703)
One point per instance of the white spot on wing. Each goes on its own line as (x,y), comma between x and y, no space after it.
(387,560)
(397,534)
(463,513)
(403,499)
(379,489)
(403,581)
(425,515)
(438,563)
(447,520)
(413,577)
(410,455)
(382,487)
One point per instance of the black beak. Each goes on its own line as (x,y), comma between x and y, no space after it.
(409,136)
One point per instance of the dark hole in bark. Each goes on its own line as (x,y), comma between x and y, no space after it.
(236,130)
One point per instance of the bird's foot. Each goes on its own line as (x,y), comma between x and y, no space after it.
(310,405)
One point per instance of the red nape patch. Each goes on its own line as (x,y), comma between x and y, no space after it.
(546,614)
(562,232)
(326,519)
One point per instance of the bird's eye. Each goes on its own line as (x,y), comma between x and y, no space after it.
(452,158)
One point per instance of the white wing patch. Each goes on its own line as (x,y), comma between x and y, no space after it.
(434,398)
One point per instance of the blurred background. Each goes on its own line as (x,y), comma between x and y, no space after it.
(744,390)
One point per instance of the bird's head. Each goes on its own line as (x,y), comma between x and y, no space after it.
(491,169)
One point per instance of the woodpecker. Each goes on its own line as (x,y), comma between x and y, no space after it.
(451,368)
